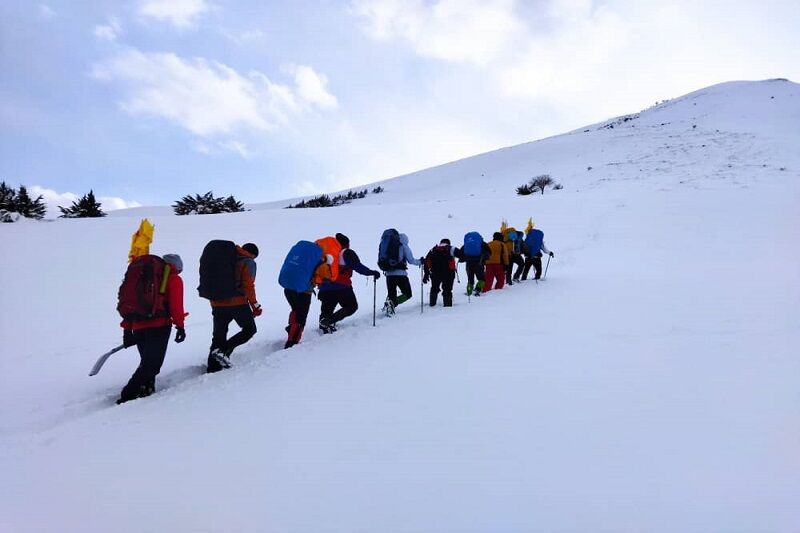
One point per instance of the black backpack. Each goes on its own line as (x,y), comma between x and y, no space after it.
(441,260)
(389,251)
(218,271)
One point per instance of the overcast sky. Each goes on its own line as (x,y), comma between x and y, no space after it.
(147,100)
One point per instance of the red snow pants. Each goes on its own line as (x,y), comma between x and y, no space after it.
(494,272)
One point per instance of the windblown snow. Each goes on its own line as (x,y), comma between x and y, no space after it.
(651,383)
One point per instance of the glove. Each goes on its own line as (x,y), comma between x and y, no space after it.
(376,274)
(257,310)
(426,278)
(180,335)
(127,338)
(552,254)
(422,260)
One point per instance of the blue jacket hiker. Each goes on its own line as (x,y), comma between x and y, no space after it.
(534,241)
(394,255)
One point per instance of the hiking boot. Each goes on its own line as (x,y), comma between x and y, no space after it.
(289,344)
(221,358)
(388,308)
(147,389)
(327,326)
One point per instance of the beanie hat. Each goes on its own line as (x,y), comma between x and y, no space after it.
(343,240)
(251,249)
(174,260)
(445,241)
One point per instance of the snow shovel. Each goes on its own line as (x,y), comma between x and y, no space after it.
(103,358)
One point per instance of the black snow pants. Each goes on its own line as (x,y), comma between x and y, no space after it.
(516,259)
(330,299)
(445,282)
(152,345)
(300,302)
(474,271)
(534,261)
(398,282)
(223,316)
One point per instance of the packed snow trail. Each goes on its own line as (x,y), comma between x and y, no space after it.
(642,386)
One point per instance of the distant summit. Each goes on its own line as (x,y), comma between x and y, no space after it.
(708,134)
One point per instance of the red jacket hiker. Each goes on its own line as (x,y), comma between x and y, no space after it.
(174,295)
(151,336)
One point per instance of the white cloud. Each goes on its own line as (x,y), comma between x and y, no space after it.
(244,37)
(112,203)
(210,99)
(460,31)
(579,61)
(567,61)
(182,14)
(228,146)
(54,199)
(46,12)
(313,87)
(108,32)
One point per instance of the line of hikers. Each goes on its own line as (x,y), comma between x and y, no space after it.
(151,295)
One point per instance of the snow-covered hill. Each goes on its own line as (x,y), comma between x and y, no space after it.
(649,384)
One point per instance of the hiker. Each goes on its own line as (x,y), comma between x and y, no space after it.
(305,267)
(496,263)
(339,291)
(228,279)
(151,335)
(513,251)
(474,254)
(517,258)
(394,255)
(534,241)
(440,270)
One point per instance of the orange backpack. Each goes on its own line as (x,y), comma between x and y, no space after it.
(330,246)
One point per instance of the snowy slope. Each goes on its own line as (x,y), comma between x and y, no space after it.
(649,384)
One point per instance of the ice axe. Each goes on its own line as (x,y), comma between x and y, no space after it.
(103,358)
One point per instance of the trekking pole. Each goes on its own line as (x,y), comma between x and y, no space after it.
(458,279)
(546,267)
(374,299)
(421,292)
(103,358)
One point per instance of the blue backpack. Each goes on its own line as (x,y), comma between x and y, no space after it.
(517,239)
(534,241)
(299,266)
(473,244)
(389,251)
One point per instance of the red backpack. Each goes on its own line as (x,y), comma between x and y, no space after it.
(142,293)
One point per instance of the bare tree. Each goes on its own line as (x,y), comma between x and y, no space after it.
(541,182)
